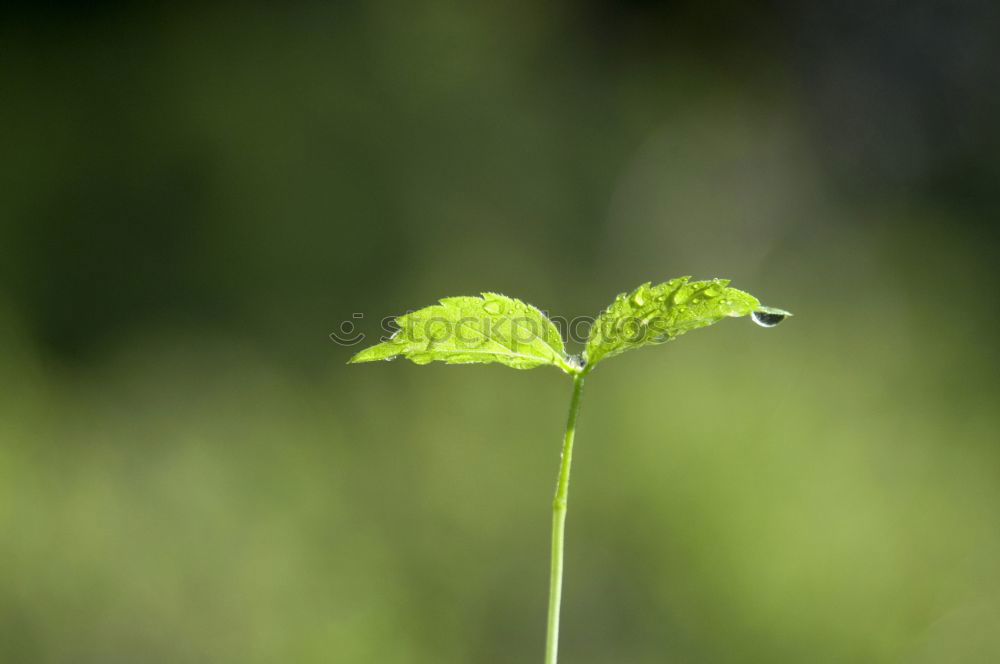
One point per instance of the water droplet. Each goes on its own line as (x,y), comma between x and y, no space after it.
(638,300)
(767,318)
(681,295)
(494,307)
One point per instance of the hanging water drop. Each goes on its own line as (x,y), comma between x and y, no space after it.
(768,316)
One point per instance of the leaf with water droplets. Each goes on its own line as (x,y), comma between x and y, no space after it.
(466,330)
(657,314)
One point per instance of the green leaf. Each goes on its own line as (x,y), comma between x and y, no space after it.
(465,330)
(657,314)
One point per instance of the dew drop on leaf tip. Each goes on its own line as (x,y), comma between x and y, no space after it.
(768,318)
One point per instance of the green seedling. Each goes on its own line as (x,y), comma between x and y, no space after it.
(496,328)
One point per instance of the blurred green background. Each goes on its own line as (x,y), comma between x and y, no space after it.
(194,195)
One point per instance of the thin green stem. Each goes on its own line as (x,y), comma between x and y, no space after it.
(559,526)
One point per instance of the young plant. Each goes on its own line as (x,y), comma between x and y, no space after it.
(496,328)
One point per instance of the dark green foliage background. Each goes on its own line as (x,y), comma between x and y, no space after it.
(194,195)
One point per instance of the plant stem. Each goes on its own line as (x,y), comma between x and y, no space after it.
(559,526)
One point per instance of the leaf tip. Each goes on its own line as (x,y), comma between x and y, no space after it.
(357,358)
(382,351)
